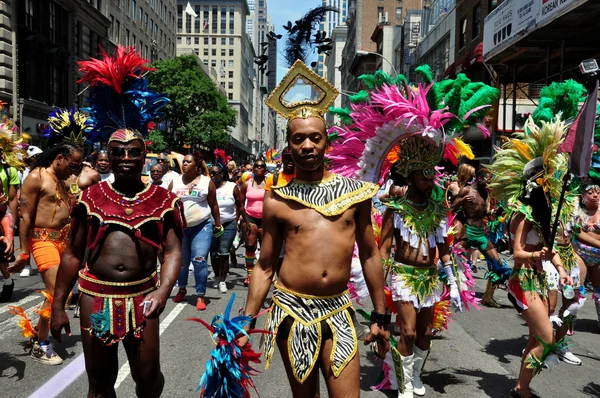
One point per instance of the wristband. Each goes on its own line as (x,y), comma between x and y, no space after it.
(219,232)
(24,256)
(380,319)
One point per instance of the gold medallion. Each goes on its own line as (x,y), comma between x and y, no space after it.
(129,211)
(74,188)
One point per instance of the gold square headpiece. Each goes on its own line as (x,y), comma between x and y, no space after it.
(302,94)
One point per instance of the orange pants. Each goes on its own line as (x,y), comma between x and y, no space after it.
(47,246)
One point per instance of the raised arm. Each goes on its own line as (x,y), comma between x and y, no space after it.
(30,193)
(69,267)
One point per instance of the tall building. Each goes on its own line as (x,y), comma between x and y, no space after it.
(331,21)
(149,25)
(218,36)
(333,63)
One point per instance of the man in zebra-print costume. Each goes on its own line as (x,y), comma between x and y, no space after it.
(319,215)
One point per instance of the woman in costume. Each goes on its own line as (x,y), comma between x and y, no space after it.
(528,173)
(420,119)
(230,203)
(199,196)
(253,193)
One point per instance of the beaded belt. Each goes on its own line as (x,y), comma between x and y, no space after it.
(49,234)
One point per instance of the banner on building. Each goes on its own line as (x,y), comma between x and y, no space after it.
(552,9)
(507,21)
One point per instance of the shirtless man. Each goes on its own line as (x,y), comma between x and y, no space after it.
(121,271)
(319,232)
(83,178)
(45,207)
(474,202)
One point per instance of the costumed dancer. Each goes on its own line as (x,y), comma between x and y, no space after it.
(11,159)
(45,205)
(321,213)
(528,173)
(391,112)
(123,225)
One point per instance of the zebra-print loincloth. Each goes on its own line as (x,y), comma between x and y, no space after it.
(304,340)
(330,197)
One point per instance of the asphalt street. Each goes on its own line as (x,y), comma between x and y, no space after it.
(477,357)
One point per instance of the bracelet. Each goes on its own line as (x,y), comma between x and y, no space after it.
(380,319)
(531,256)
(24,256)
(219,232)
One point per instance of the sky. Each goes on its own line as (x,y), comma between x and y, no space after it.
(282,11)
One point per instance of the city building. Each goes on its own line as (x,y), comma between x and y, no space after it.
(217,34)
(334,63)
(330,22)
(149,25)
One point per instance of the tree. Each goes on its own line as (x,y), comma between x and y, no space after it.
(158,141)
(198,111)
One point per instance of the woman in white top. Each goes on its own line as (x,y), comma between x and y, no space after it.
(199,197)
(230,203)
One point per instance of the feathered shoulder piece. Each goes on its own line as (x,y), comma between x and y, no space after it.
(121,103)
(12,141)
(534,148)
(68,125)
(425,119)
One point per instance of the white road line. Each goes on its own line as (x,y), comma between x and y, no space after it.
(10,325)
(125,370)
(19,303)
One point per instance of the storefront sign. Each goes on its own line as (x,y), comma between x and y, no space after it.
(507,21)
(551,9)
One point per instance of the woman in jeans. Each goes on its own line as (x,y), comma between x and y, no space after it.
(230,203)
(253,193)
(199,197)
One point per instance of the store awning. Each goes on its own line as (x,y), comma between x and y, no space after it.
(466,61)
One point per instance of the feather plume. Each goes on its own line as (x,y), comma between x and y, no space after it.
(46,309)
(24,322)
(299,43)
(68,125)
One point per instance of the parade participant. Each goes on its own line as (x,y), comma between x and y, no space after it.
(287,172)
(103,166)
(123,225)
(10,159)
(474,202)
(252,194)
(231,168)
(199,197)
(528,173)
(156,174)
(230,204)
(389,113)
(464,177)
(323,213)
(169,174)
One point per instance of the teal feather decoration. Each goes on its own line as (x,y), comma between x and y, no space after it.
(368,80)
(100,321)
(342,113)
(361,96)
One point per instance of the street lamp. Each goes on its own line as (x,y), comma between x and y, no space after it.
(362,53)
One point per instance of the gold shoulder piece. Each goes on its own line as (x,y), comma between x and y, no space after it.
(302,94)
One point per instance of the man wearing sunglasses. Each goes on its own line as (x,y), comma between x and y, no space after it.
(165,161)
(474,201)
(123,224)
(45,206)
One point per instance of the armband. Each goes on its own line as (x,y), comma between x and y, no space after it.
(24,256)
(380,319)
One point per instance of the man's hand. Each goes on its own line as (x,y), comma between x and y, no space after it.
(564,278)
(18,265)
(58,321)
(10,248)
(243,340)
(159,301)
(379,335)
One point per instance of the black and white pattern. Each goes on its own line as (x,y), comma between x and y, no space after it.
(330,197)
(304,340)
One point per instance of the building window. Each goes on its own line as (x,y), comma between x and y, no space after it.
(231,41)
(133,38)
(230,96)
(476,21)
(398,13)
(178,39)
(223,51)
(196,40)
(462,39)
(29,14)
(214,19)
(52,24)
(141,15)
(197,20)
(223,41)
(231,53)
(231,74)
(230,64)
(213,63)
(380,13)
(230,85)
(214,52)
(206,41)
(132,9)
(188,41)
(206,52)
(179,19)
(231,24)
(188,23)
(127,37)
(146,22)
(214,41)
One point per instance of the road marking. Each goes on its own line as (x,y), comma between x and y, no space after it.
(19,303)
(125,370)
(57,384)
(10,324)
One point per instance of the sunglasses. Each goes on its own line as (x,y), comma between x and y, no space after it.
(74,166)
(162,160)
(120,153)
(260,166)
(215,173)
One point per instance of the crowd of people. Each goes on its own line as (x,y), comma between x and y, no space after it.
(97,231)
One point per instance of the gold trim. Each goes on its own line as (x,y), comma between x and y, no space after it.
(108,283)
(308,296)
(118,296)
(273,337)
(303,108)
(315,355)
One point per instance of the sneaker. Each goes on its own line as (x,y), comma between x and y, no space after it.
(180,296)
(45,353)
(568,357)
(216,285)
(222,287)
(7,291)
(26,272)
(200,304)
